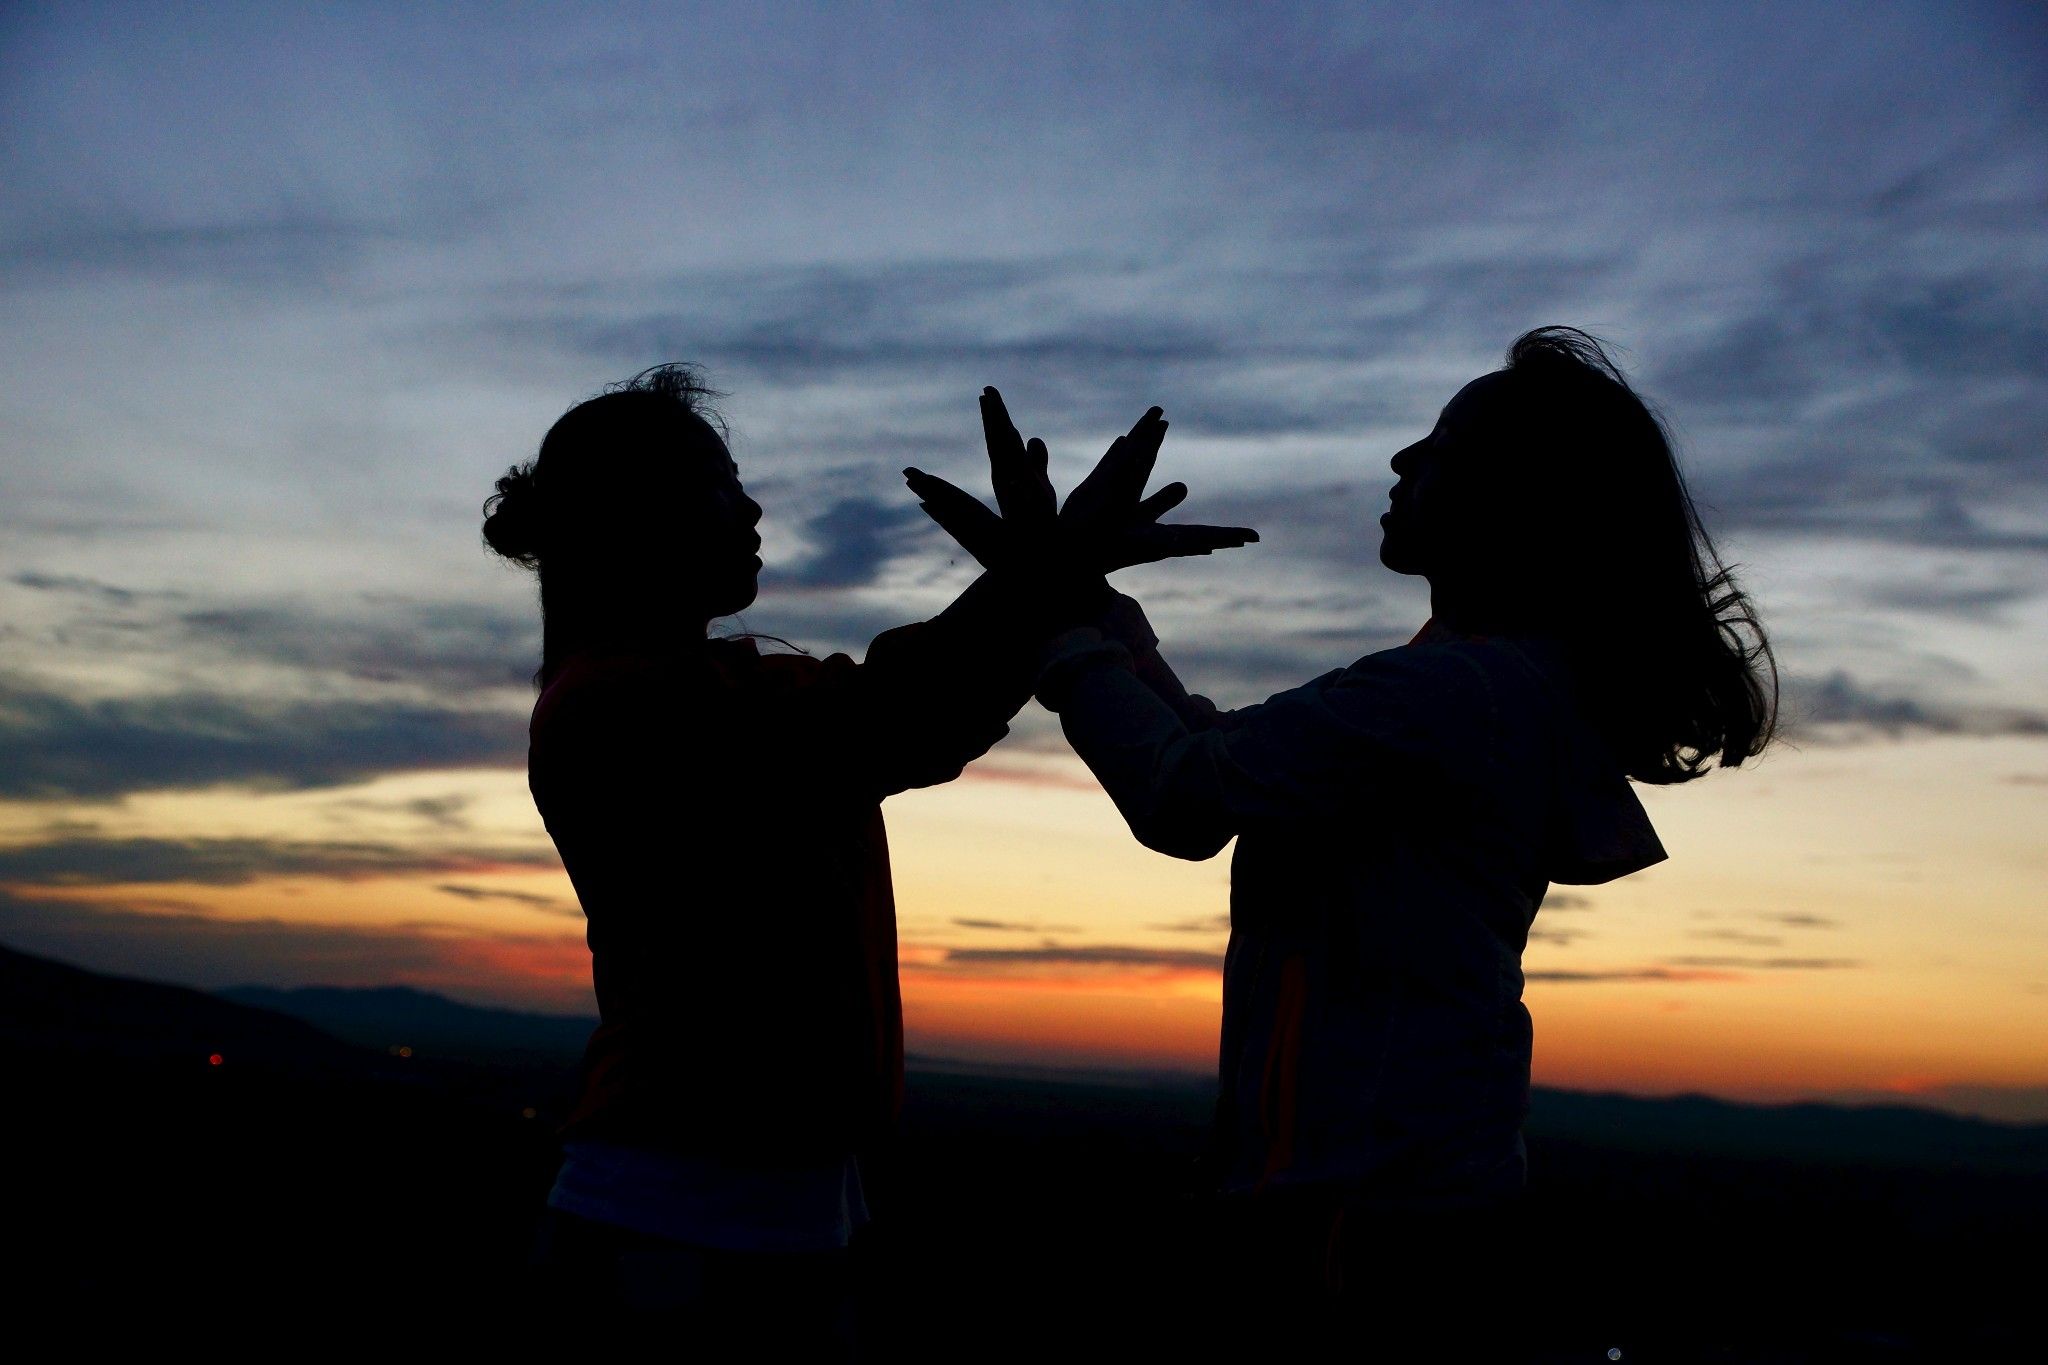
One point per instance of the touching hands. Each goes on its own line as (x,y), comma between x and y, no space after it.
(1106,523)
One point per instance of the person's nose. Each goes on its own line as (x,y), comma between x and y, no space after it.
(1404,460)
(753,513)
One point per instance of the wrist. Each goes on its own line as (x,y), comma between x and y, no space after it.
(1072,655)
(1123,619)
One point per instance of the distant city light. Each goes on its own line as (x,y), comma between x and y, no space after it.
(399,1050)
(529,1112)
(214,1059)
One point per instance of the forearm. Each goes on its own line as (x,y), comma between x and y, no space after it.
(1124,621)
(1161,777)
(1151,669)
(936,695)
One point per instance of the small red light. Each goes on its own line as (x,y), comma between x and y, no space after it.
(214,1059)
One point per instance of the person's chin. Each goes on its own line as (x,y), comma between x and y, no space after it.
(739,598)
(1395,556)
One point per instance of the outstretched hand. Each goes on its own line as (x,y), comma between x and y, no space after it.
(1105,523)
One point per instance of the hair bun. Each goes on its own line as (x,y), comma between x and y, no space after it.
(512,517)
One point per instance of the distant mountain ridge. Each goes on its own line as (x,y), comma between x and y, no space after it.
(308,1176)
(50,1007)
(387,1017)
(1889,1135)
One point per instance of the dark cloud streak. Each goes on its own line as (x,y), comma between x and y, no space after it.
(1106,955)
(850,543)
(52,746)
(239,861)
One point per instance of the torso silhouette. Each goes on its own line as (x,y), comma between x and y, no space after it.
(718,813)
(1398,823)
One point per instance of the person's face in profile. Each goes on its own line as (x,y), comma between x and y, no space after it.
(1417,528)
(719,540)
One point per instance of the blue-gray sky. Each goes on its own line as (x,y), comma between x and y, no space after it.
(287,288)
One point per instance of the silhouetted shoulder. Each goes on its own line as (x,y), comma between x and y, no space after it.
(741,662)
(1427,701)
(589,682)
(1502,711)
(1457,686)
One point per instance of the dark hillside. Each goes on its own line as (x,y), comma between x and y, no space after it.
(308,1189)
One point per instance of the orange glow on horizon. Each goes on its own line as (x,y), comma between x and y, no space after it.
(1113,1022)
(1867,943)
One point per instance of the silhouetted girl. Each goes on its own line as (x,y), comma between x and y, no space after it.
(1399,820)
(718,811)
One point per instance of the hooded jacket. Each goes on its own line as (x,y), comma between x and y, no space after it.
(1398,823)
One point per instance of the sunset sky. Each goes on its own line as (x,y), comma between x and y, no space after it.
(286,290)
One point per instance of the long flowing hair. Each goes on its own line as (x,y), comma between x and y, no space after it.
(1587,531)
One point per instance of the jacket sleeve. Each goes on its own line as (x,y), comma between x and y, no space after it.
(1384,729)
(930,697)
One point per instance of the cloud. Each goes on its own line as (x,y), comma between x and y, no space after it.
(850,543)
(1012,926)
(551,904)
(1769,964)
(1891,395)
(239,861)
(1839,496)
(301,250)
(1096,956)
(1746,365)
(358,641)
(447,646)
(1773,921)
(52,746)
(1954,600)
(1567,977)
(937,322)
(1206,924)
(1079,342)
(89,588)
(1334,523)
(441,812)
(1740,936)
(1837,706)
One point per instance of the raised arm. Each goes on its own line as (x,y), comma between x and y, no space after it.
(934,696)
(1330,749)
(1123,621)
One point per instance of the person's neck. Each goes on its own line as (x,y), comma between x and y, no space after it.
(634,635)
(1463,613)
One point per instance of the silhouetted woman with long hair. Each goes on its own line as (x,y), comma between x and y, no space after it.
(1399,820)
(718,811)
